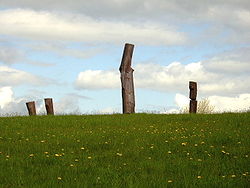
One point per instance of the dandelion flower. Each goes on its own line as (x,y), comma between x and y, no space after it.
(57,155)
(82,148)
(119,154)
(76,160)
(170,181)
(46,152)
(169,152)
(196,145)
(89,157)
(71,165)
(184,143)
(233,176)
(200,160)
(32,155)
(59,178)
(199,177)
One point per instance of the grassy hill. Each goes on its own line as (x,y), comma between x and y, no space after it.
(139,150)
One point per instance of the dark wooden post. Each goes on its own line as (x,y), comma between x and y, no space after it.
(31,108)
(192,96)
(49,106)
(127,83)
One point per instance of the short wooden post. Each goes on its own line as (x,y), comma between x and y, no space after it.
(192,96)
(31,108)
(127,83)
(49,106)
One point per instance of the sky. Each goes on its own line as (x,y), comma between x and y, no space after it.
(71,51)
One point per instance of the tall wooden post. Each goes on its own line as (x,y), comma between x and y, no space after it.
(49,106)
(127,83)
(192,96)
(31,108)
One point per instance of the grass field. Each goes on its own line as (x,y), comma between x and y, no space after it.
(139,150)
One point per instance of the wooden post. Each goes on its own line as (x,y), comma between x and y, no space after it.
(49,106)
(127,83)
(192,96)
(31,108)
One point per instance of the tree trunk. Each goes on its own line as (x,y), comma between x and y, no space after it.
(127,83)
(192,96)
(31,108)
(193,106)
(193,90)
(49,106)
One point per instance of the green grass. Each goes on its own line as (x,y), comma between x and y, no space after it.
(139,150)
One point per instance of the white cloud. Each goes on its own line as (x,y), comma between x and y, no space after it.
(214,14)
(11,105)
(67,105)
(97,79)
(174,77)
(181,100)
(225,104)
(239,103)
(73,27)
(6,96)
(13,77)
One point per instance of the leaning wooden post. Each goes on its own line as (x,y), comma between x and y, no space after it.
(192,96)
(49,106)
(127,83)
(31,108)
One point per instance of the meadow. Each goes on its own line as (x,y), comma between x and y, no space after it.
(138,150)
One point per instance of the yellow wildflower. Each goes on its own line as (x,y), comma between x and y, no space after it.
(119,154)
(184,143)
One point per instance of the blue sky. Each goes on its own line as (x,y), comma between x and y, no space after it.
(71,51)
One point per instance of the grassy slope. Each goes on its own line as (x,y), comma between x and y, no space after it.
(138,150)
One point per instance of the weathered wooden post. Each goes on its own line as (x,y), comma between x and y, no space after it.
(127,83)
(31,108)
(192,96)
(49,106)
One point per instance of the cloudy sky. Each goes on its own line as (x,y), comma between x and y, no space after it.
(71,51)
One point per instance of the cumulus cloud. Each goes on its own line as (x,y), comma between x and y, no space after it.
(6,95)
(97,79)
(67,105)
(11,105)
(14,77)
(230,104)
(181,100)
(173,78)
(73,27)
(238,103)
